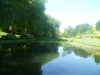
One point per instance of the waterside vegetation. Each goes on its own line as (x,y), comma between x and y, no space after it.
(26,20)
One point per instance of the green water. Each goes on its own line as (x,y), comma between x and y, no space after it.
(40,59)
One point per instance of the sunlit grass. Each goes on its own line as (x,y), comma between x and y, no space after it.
(17,36)
(2,33)
(88,41)
(58,41)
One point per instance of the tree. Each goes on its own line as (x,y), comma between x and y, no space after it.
(51,26)
(98,26)
(69,32)
(27,17)
(82,28)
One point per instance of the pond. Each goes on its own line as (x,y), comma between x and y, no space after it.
(41,59)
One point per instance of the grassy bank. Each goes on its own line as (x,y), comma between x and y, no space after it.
(57,41)
(87,41)
(38,40)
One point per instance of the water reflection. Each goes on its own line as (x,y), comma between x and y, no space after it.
(82,52)
(97,58)
(25,59)
(48,59)
(74,61)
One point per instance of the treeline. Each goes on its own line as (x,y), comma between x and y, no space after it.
(27,17)
(83,31)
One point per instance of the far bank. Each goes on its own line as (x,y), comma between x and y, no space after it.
(86,41)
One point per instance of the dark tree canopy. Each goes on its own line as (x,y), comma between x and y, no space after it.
(27,17)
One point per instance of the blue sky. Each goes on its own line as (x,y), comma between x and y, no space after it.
(74,12)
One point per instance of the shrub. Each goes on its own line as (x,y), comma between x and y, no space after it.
(91,36)
(24,36)
(97,35)
(82,36)
(78,36)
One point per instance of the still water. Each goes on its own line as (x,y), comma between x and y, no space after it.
(48,60)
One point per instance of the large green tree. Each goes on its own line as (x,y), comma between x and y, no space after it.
(51,26)
(82,28)
(98,26)
(69,32)
(27,17)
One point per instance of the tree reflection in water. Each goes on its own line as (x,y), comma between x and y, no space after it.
(82,52)
(25,59)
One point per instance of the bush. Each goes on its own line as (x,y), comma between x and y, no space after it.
(97,35)
(78,36)
(91,36)
(8,37)
(82,36)
(62,39)
(24,36)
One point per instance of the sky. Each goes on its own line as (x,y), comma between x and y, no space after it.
(74,12)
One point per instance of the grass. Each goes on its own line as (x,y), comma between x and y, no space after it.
(52,39)
(15,41)
(88,41)
(33,40)
(2,33)
(58,41)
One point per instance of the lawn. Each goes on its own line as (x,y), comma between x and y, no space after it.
(2,33)
(59,41)
(88,41)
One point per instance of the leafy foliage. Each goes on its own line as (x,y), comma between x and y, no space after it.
(24,36)
(27,17)
(78,31)
(8,37)
(82,28)
(69,32)
(98,25)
